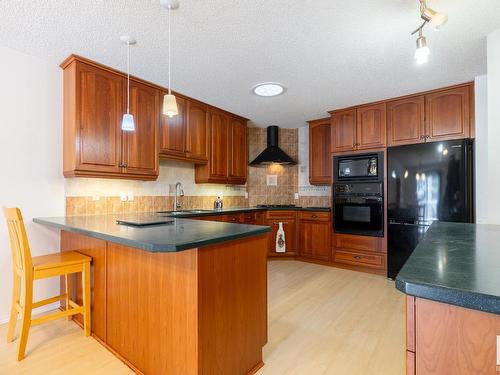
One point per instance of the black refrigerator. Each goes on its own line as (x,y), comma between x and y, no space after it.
(426,182)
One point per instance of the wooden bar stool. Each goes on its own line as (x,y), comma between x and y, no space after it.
(27,269)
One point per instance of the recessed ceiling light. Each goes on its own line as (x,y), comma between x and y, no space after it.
(268,89)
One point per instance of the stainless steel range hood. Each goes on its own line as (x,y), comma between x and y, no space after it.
(273,154)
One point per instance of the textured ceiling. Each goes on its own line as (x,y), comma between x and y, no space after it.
(328,53)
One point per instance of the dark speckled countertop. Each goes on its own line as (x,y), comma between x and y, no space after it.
(233,210)
(458,264)
(181,234)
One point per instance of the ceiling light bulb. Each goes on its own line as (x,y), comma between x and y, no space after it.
(422,53)
(170,105)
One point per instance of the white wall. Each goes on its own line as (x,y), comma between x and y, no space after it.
(31,150)
(493,135)
(481,148)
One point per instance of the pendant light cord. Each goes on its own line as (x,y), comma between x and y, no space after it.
(169,51)
(128,77)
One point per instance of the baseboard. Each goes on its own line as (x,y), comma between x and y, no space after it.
(43,309)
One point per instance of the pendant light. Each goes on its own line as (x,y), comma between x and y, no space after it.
(128,123)
(169,101)
(422,52)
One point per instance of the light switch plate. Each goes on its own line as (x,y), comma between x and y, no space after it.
(272,180)
(246,194)
(130,196)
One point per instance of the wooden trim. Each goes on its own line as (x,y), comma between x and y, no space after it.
(402,97)
(71,58)
(410,323)
(319,121)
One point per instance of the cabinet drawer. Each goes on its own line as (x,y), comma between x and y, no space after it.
(363,243)
(236,218)
(316,216)
(280,214)
(370,260)
(249,217)
(208,218)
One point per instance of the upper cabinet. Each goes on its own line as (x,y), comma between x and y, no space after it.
(320,160)
(227,161)
(343,131)
(442,114)
(185,136)
(94,144)
(370,126)
(140,147)
(238,155)
(358,129)
(406,121)
(448,114)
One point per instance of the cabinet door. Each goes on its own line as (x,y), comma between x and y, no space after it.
(371,126)
(219,124)
(99,108)
(448,114)
(289,226)
(141,146)
(197,132)
(238,151)
(314,239)
(343,131)
(173,131)
(320,160)
(406,121)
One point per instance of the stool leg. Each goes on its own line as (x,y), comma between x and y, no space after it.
(86,298)
(68,287)
(25,316)
(16,294)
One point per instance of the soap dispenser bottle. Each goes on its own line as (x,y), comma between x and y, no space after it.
(218,203)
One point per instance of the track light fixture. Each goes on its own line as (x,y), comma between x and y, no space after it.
(436,19)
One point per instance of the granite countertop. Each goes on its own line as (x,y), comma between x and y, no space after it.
(181,234)
(203,212)
(458,264)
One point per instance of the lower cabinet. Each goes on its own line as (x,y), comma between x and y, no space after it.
(446,339)
(289,221)
(363,251)
(315,231)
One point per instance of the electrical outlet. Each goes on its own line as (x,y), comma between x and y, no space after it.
(296,196)
(96,197)
(123,197)
(272,180)
(130,196)
(246,194)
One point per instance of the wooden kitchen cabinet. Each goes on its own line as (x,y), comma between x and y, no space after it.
(197,131)
(343,131)
(360,251)
(448,114)
(314,233)
(140,147)
(289,220)
(94,103)
(370,126)
(227,163)
(173,132)
(406,121)
(238,155)
(320,159)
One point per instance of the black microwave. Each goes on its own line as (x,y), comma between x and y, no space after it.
(362,167)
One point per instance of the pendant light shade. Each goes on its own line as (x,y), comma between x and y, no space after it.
(169,101)
(170,105)
(128,123)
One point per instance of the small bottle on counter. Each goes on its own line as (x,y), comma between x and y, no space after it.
(218,203)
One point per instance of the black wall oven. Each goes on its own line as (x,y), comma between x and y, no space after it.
(359,208)
(358,194)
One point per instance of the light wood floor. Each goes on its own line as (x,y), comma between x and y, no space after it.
(322,320)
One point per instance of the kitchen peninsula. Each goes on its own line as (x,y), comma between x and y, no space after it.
(186,297)
(452,283)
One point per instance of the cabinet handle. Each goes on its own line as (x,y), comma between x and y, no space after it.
(123,165)
(358,257)
(283,222)
(427,136)
(314,216)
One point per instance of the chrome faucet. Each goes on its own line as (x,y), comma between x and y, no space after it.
(179,192)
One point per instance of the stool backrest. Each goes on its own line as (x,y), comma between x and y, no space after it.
(19,245)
